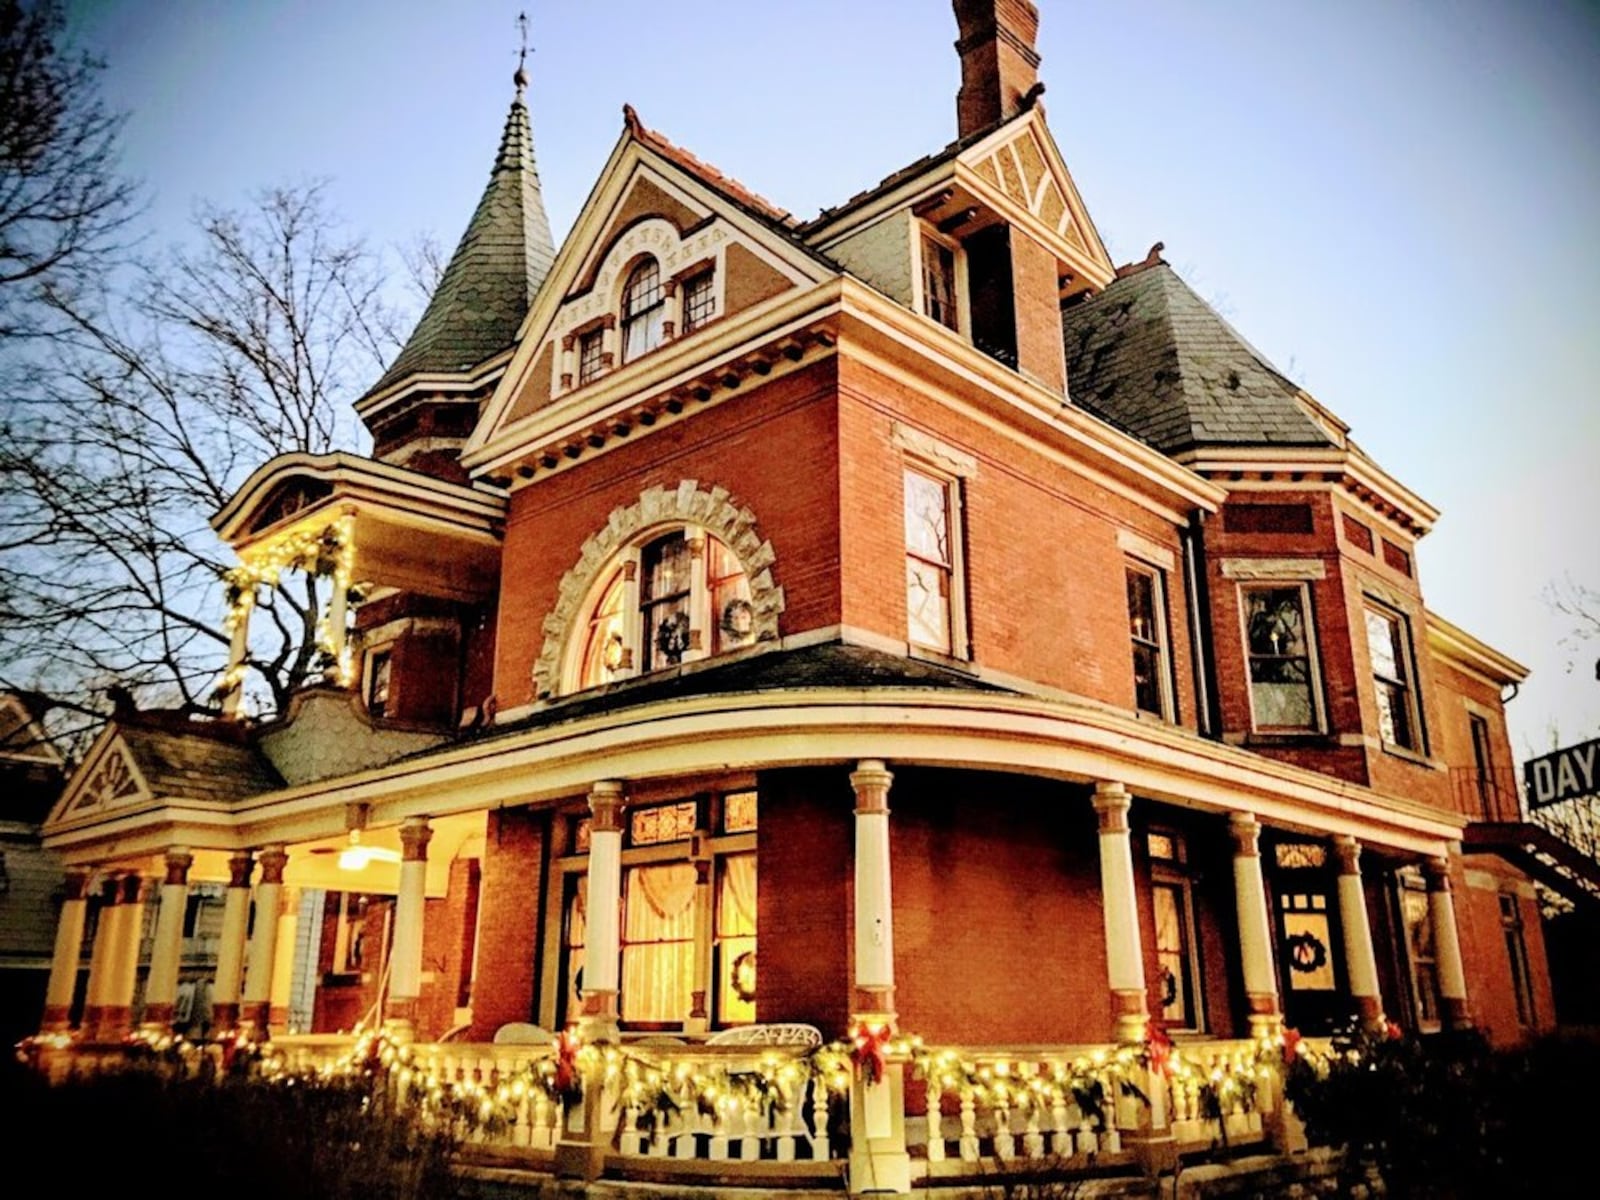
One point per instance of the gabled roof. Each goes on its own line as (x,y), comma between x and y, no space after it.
(1151,357)
(499,264)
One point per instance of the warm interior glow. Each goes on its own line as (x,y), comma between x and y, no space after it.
(356,857)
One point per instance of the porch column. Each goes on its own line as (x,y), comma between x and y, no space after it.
(1255,926)
(1447,946)
(603,907)
(1360,962)
(405,962)
(1124,948)
(69,950)
(283,961)
(878,1158)
(263,951)
(116,1019)
(230,945)
(161,989)
(238,651)
(704,935)
(102,958)
(873,993)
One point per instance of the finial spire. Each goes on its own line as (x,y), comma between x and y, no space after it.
(521,77)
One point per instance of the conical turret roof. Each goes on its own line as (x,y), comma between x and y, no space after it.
(498,266)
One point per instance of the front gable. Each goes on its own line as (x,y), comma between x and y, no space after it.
(646,202)
(109,778)
(1019,169)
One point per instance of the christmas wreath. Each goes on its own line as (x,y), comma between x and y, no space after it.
(744,976)
(1307,953)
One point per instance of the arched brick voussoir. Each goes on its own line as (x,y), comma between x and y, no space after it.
(714,509)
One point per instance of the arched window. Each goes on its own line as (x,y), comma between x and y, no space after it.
(644,308)
(673,597)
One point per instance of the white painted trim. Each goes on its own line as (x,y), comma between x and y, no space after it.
(1138,546)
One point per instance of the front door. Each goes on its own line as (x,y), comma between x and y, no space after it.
(1306,932)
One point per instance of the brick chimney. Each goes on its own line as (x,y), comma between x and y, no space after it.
(999,65)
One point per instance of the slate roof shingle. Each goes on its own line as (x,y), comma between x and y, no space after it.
(197,766)
(1152,358)
(491,278)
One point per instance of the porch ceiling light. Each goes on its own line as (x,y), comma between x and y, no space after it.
(356,857)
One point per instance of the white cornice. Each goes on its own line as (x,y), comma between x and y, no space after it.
(473,510)
(1450,641)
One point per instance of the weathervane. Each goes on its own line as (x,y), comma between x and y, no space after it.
(521,77)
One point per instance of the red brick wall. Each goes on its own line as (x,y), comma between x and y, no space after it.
(775,449)
(1047,589)
(510,900)
(1041,351)
(999,934)
(1478,882)
(803,905)
(446,940)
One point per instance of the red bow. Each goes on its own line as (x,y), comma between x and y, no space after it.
(1160,1049)
(567,1046)
(1393,1032)
(1291,1045)
(869,1050)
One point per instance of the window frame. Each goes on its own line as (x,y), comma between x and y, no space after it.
(924,233)
(569,863)
(1409,685)
(1160,619)
(369,677)
(1177,874)
(628,317)
(959,648)
(591,366)
(687,322)
(1408,881)
(1319,712)
(708,638)
(1513,930)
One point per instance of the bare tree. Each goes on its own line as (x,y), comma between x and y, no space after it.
(158,403)
(63,204)
(1580,605)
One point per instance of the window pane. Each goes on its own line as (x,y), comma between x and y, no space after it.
(939,282)
(733,619)
(658,943)
(1275,623)
(736,940)
(572,942)
(643,311)
(1172,954)
(1147,678)
(1142,605)
(378,696)
(927,518)
(1280,691)
(928,605)
(1383,636)
(662,823)
(738,812)
(667,564)
(589,356)
(699,301)
(605,649)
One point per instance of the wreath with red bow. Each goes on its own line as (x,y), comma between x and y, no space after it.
(568,1079)
(869,1050)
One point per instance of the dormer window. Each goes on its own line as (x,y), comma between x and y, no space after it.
(644,310)
(939,288)
(677,596)
(699,301)
(591,356)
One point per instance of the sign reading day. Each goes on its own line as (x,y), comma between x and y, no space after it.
(1568,774)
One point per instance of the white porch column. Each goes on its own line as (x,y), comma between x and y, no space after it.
(1124,946)
(116,1018)
(603,907)
(1360,961)
(283,962)
(230,945)
(1255,927)
(102,957)
(405,961)
(872,997)
(68,952)
(166,955)
(238,651)
(263,951)
(1447,945)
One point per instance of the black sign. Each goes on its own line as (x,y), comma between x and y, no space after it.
(1568,774)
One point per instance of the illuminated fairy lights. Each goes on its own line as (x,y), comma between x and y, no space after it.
(325,551)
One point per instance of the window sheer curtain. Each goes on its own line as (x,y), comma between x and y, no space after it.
(658,943)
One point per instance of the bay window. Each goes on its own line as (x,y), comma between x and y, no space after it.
(1280,656)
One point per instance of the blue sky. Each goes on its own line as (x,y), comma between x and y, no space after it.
(1396,202)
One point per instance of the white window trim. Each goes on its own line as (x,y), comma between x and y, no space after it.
(1413,684)
(368,654)
(955,515)
(919,229)
(1308,617)
(1158,580)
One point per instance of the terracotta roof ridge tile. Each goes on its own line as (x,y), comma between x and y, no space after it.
(706,171)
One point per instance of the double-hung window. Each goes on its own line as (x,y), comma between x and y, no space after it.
(933,609)
(1181,1000)
(644,310)
(939,282)
(699,300)
(1393,678)
(1147,627)
(1280,653)
(1517,953)
(591,355)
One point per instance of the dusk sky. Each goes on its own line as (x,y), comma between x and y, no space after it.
(1395,202)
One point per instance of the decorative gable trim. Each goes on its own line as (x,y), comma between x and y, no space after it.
(108,778)
(715,510)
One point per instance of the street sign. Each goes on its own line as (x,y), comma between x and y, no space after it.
(1568,774)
